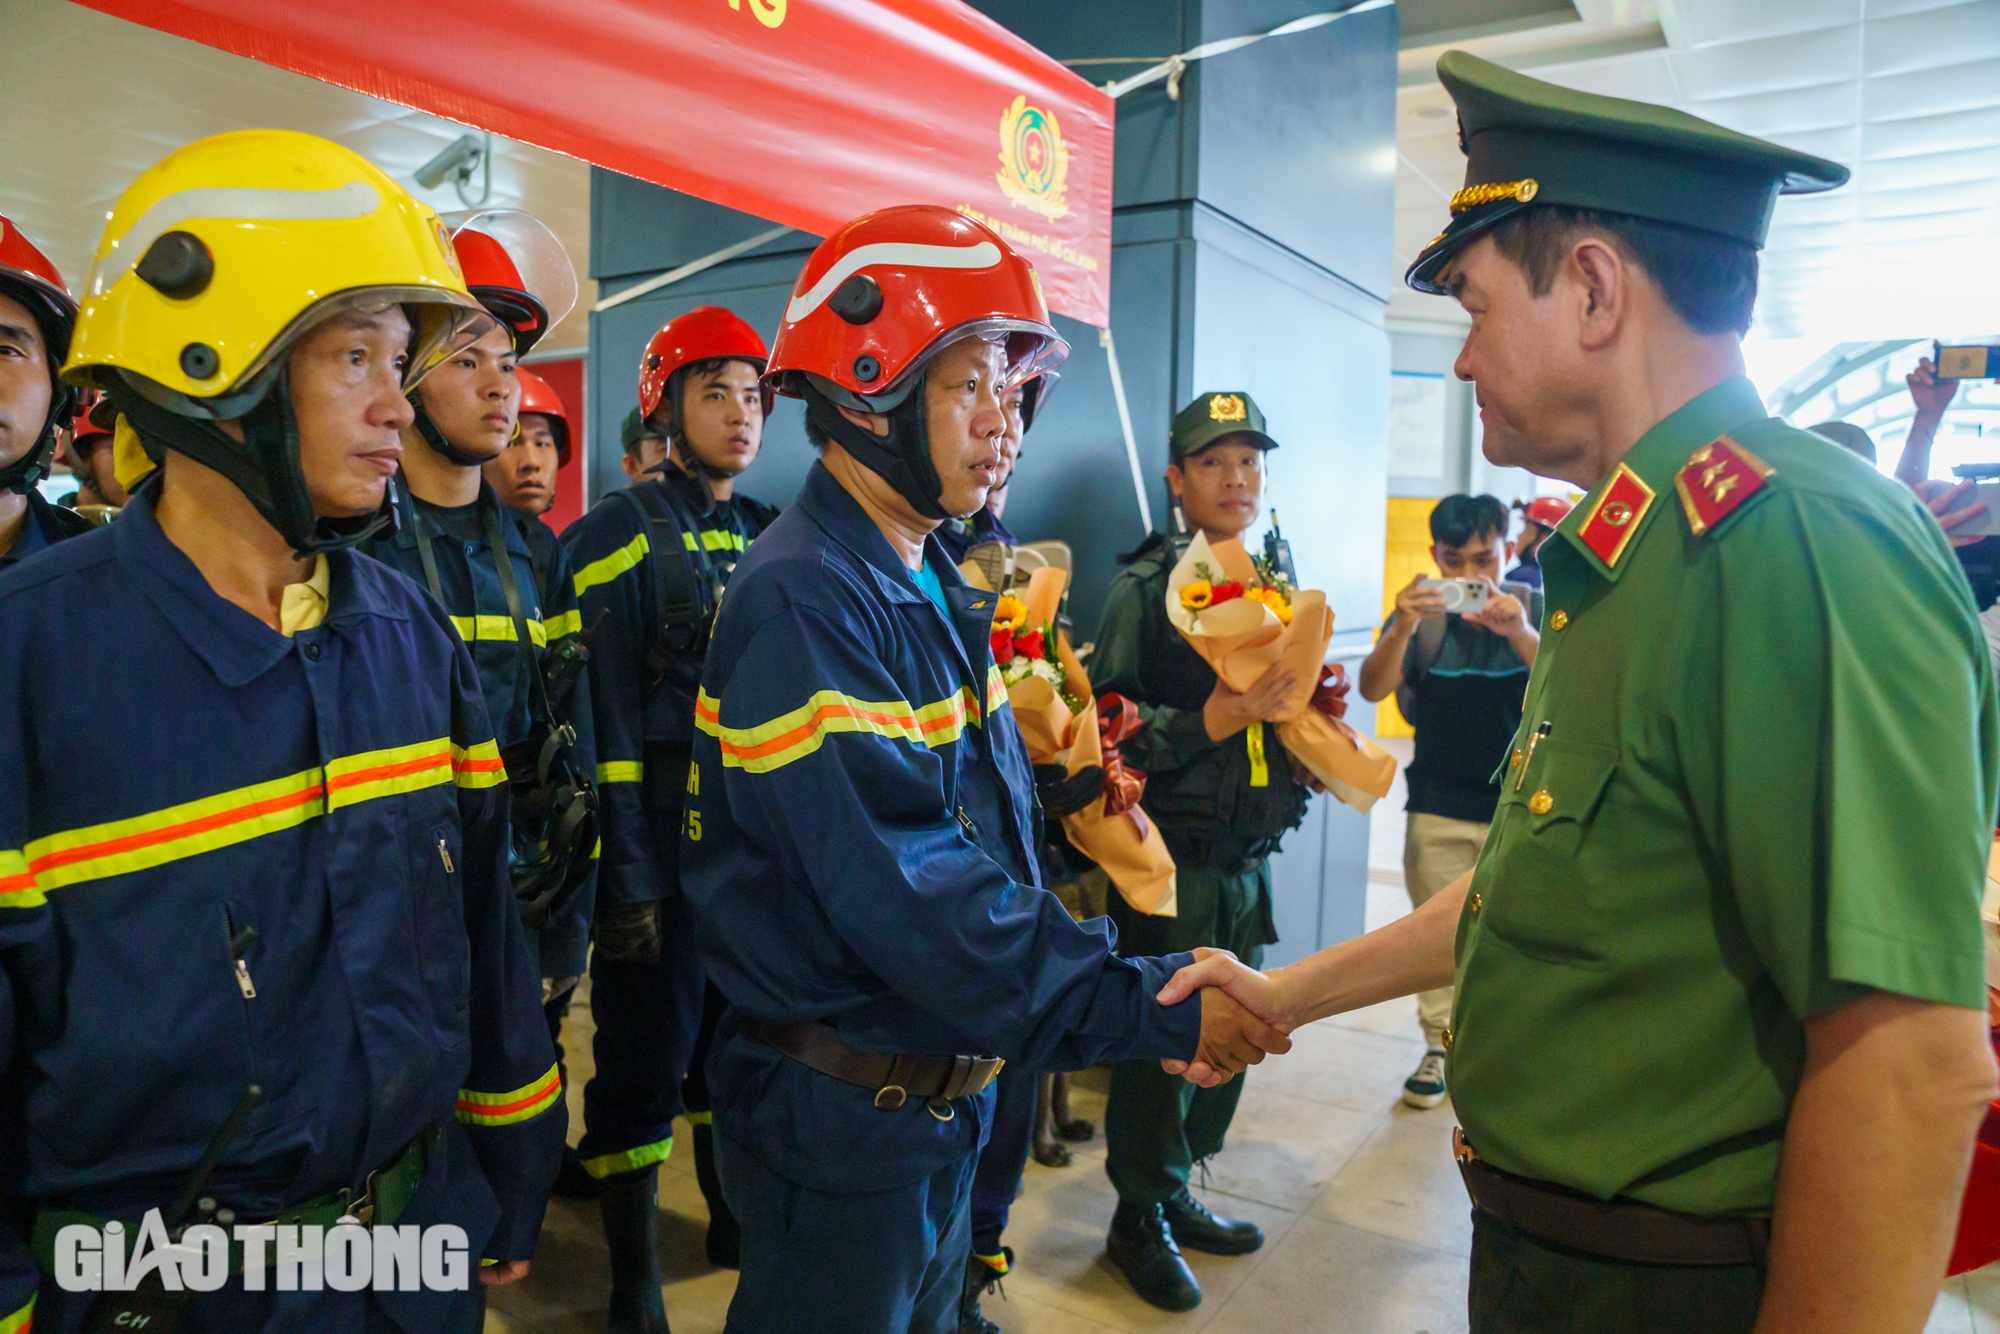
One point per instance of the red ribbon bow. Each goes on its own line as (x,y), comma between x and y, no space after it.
(1330,695)
(1123,784)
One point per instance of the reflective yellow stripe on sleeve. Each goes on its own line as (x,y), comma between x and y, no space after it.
(17,883)
(1260,772)
(606,568)
(996,689)
(797,734)
(504,1109)
(479,765)
(621,771)
(569,623)
(19,1322)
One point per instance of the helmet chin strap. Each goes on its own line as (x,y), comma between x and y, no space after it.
(902,458)
(433,437)
(21,475)
(264,465)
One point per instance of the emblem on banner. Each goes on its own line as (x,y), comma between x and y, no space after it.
(1034,160)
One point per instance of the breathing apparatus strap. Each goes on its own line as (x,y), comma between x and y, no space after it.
(902,458)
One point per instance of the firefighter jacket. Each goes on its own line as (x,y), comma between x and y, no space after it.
(1219,803)
(857,848)
(619,551)
(45,525)
(289,869)
(477,608)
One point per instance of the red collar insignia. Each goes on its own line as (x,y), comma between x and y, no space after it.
(1718,477)
(1608,526)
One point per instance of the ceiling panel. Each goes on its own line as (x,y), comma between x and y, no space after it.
(65,158)
(1904,92)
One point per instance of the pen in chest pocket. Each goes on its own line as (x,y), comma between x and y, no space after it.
(1529,758)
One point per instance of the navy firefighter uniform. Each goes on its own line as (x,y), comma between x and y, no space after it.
(293,874)
(462,572)
(633,550)
(858,849)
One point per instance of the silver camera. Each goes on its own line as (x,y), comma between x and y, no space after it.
(1464,596)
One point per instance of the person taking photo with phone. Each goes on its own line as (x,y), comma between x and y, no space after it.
(1458,679)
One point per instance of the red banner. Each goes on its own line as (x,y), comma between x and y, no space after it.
(806,112)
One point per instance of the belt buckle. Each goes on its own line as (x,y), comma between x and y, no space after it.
(890,1097)
(1461,1147)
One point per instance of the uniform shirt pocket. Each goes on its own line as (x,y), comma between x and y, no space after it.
(1549,892)
(443,953)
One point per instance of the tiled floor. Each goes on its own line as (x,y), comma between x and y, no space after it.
(1366,1220)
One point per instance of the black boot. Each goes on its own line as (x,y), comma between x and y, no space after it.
(572,1182)
(725,1238)
(1143,1247)
(979,1276)
(1199,1230)
(630,1202)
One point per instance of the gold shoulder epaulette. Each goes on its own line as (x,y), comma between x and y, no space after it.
(1718,477)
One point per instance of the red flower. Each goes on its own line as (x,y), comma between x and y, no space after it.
(1030,645)
(1003,646)
(1228,592)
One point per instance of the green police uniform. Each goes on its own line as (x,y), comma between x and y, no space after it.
(1221,806)
(1754,779)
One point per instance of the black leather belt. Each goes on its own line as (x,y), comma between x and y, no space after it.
(1615,1229)
(893,1079)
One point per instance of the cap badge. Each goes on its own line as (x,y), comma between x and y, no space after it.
(1608,527)
(1472,196)
(1227,408)
(1718,477)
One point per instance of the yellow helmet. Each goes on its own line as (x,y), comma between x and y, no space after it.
(217,260)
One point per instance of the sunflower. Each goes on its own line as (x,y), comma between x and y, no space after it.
(1197,595)
(1274,598)
(1010,614)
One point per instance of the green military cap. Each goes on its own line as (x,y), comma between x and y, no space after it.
(634,430)
(1529,142)
(1212,416)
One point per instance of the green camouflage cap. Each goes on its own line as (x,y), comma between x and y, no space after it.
(634,430)
(1212,416)
(1529,142)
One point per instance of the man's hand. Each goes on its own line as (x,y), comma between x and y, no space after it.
(1938,498)
(1232,1040)
(1414,602)
(1504,615)
(1236,991)
(502,1272)
(1228,712)
(1931,395)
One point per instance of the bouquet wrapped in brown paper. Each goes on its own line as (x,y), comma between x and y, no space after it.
(1059,719)
(1241,623)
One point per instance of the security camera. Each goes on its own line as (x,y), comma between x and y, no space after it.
(459,160)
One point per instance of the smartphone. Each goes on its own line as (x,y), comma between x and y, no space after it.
(1986,524)
(1965,363)
(1464,596)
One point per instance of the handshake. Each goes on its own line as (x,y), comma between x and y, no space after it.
(1244,1016)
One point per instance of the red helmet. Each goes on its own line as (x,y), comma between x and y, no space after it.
(890,290)
(84,425)
(517,268)
(1548,511)
(702,334)
(538,395)
(27,276)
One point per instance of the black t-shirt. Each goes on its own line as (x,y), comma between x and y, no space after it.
(1466,709)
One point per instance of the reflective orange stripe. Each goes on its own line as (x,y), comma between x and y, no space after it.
(499,1109)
